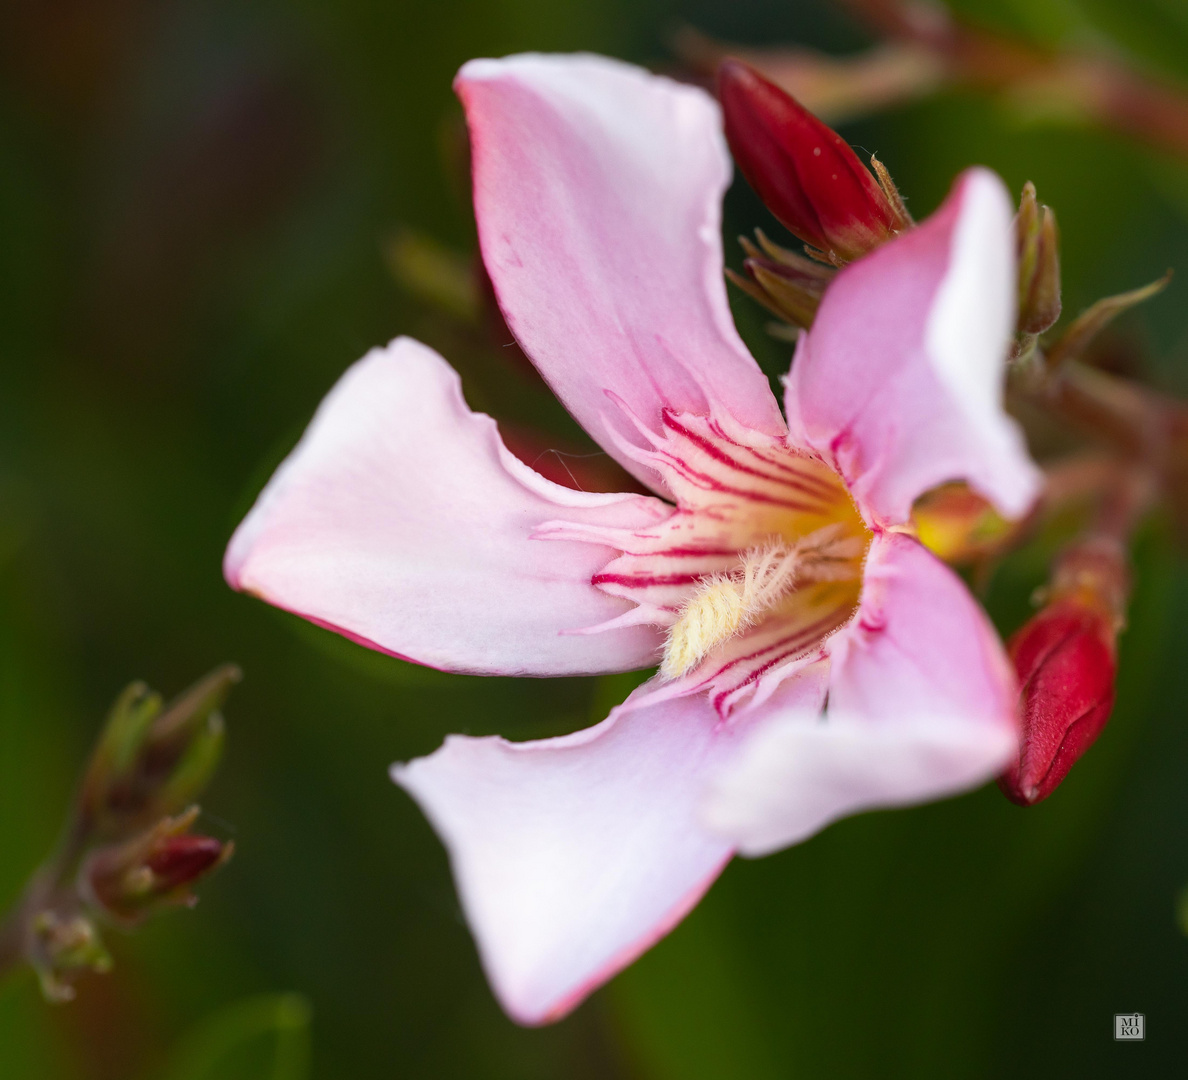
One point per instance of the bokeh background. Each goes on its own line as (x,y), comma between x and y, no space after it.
(206,212)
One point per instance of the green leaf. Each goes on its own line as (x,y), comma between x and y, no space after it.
(259,1038)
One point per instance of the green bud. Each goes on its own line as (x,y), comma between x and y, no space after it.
(119,745)
(787,284)
(1039,264)
(186,741)
(195,767)
(152,761)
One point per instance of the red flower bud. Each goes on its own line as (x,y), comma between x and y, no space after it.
(1066,663)
(182,860)
(152,871)
(803,170)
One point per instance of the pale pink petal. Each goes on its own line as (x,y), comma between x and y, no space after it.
(401,521)
(921,705)
(597,190)
(899,384)
(574,855)
(921,642)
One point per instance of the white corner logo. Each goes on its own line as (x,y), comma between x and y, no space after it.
(1130,1027)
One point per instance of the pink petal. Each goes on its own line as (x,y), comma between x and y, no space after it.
(401,521)
(598,192)
(899,383)
(574,855)
(921,705)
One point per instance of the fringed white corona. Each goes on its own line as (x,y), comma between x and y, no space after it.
(724,604)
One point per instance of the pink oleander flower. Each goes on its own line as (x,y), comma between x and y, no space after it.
(815,660)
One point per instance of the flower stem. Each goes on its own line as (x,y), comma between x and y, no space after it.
(1142,426)
(1092,86)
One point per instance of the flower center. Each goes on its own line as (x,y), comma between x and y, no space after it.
(724,604)
(757,564)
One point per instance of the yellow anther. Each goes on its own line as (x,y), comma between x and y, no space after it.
(724,604)
(712,615)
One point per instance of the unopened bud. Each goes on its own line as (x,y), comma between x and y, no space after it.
(788,285)
(433,273)
(960,526)
(184,859)
(1039,264)
(153,760)
(803,170)
(1066,661)
(154,871)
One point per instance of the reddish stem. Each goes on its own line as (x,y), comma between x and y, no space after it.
(1097,86)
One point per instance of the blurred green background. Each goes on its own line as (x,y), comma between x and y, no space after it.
(196,199)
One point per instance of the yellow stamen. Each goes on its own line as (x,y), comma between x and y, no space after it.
(724,604)
(711,616)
